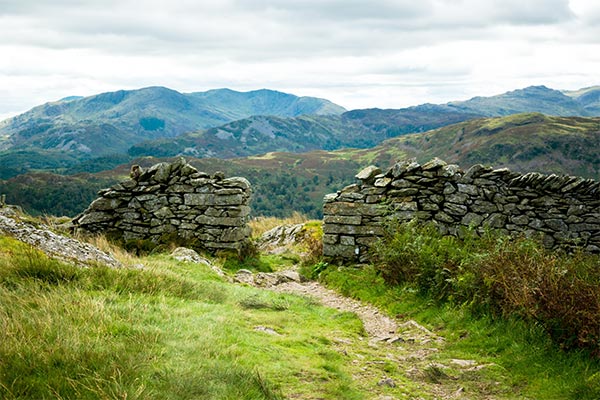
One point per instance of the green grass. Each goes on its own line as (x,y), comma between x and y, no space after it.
(523,361)
(168,331)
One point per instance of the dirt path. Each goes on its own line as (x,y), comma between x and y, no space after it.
(413,350)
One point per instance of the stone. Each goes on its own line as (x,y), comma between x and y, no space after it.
(468,189)
(472,219)
(342,219)
(474,172)
(104,204)
(347,240)
(450,171)
(237,182)
(382,182)
(434,164)
(403,167)
(160,172)
(519,219)
(443,217)
(368,174)
(455,209)
(328,198)
(495,221)
(95,217)
(353,188)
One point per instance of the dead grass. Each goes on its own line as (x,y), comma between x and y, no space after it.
(102,243)
(261,225)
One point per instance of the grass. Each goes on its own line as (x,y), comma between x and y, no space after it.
(260,225)
(168,331)
(525,359)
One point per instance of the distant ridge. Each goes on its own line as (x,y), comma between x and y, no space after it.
(112,122)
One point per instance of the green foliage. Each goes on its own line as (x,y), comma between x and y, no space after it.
(526,364)
(170,330)
(500,276)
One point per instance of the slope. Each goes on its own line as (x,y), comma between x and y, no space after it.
(522,142)
(531,99)
(112,122)
(261,134)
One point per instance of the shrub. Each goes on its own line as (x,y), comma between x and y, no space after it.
(499,276)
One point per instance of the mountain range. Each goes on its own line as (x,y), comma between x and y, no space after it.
(292,161)
(112,122)
(284,182)
(224,123)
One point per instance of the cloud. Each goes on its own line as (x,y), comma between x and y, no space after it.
(386,53)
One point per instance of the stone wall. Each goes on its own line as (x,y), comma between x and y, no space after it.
(173,199)
(562,210)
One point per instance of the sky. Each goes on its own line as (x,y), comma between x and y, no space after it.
(359,54)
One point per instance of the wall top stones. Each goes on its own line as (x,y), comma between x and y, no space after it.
(173,199)
(563,210)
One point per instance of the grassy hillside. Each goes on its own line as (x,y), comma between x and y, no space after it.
(168,331)
(262,134)
(159,328)
(287,182)
(522,142)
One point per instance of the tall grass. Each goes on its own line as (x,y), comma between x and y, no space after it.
(500,276)
(260,225)
(170,330)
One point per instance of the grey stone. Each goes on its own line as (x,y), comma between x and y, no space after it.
(353,188)
(330,239)
(495,221)
(95,217)
(367,175)
(342,219)
(468,189)
(237,182)
(457,198)
(433,164)
(104,204)
(347,240)
(450,171)
(443,217)
(472,219)
(519,219)
(403,167)
(382,182)
(455,209)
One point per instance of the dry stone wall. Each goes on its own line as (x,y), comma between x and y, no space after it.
(562,210)
(173,199)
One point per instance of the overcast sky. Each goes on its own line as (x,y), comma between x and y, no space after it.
(359,54)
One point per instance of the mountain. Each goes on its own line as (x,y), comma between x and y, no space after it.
(262,134)
(522,142)
(531,99)
(362,128)
(284,182)
(588,98)
(112,122)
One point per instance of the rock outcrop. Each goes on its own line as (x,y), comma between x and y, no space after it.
(52,244)
(173,199)
(563,210)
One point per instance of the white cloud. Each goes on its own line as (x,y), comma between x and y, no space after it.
(384,53)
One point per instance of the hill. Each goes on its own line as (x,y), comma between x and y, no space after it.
(284,182)
(362,128)
(111,122)
(531,99)
(522,142)
(262,134)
